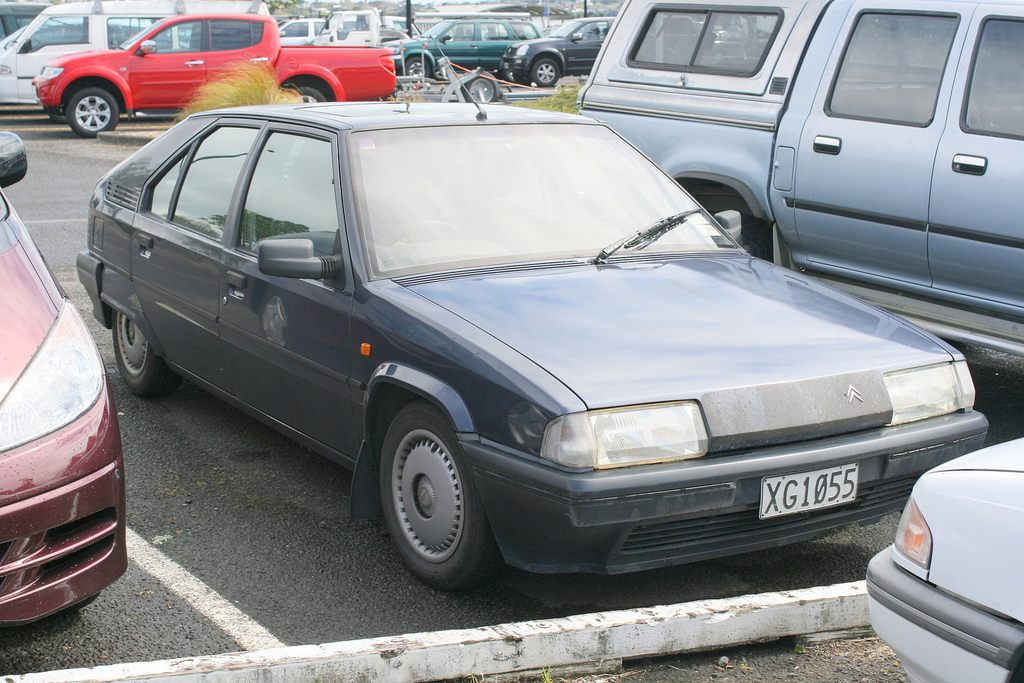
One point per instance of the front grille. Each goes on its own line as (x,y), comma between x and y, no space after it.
(122,195)
(45,557)
(702,533)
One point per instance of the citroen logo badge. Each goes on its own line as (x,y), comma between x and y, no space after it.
(852,393)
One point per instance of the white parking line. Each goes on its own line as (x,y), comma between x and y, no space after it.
(201,597)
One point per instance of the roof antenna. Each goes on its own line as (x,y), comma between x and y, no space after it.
(481,115)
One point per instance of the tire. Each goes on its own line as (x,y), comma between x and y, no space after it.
(418,67)
(310,94)
(431,506)
(92,111)
(545,72)
(144,373)
(483,89)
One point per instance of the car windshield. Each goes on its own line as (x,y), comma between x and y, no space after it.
(501,194)
(566,30)
(149,27)
(437,30)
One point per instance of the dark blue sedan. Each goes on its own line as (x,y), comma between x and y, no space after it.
(527,341)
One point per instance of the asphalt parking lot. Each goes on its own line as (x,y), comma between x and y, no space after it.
(262,523)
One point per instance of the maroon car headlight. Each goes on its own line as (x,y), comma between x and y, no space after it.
(63,380)
(634,435)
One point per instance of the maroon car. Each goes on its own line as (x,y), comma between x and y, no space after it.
(62,530)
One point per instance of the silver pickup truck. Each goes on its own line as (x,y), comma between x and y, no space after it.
(877,144)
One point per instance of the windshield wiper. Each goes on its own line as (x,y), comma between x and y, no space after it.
(642,238)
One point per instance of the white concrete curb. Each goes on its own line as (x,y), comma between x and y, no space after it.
(524,646)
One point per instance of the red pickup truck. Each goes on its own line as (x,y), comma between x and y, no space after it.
(156,71)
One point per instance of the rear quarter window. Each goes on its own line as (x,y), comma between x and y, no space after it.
(695,39)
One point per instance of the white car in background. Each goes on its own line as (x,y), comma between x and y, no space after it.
(948,595)
(300,31)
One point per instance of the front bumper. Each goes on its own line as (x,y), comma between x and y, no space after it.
(611,521)
(938,637)
(62,525)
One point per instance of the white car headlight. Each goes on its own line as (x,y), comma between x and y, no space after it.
(929,391)
(62,381)
(522,50)
(48,72)
(619,437)
(913,537)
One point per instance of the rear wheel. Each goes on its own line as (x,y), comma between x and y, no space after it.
(545,72)
(144,372)
(309,93)
(431,506)
(415,66)
(92,111)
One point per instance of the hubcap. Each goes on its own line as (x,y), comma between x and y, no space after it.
(427,493)
(92,113)
(481,90)
(546,74)
(133,346)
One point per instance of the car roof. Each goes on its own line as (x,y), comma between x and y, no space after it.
(375,115)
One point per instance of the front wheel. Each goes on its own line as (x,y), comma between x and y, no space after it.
(92,111)
(144,372)
(545,72)
(431,506)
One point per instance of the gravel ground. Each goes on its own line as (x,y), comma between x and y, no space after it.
(864,660)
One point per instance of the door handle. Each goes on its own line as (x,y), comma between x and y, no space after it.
(197,62)
(145,246)
(970,165)
(824,144)
(260,59)
(236,284)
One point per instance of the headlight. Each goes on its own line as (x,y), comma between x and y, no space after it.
(522,50)
(62,381)
(913,537)
(929,391)
(48,72)
(619,437)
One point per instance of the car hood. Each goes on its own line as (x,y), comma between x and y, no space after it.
(90,58)
(646,331)
(28,313)
(1004,457)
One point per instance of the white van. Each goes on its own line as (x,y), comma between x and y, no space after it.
(82,26)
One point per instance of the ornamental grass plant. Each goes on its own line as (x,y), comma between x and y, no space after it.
(239,85)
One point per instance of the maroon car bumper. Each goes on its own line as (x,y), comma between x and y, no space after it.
(62,528)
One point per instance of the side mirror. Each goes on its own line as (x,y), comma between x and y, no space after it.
(446,39)
(13,161)
(731,222)
(294,257)
(576,36)
(147,47)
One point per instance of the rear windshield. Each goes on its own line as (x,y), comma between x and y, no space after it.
(732,42)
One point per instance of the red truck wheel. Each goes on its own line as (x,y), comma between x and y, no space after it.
(91,111)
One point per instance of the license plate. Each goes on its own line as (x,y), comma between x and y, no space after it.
(791,493)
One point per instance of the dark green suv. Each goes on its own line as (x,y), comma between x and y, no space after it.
(467,43)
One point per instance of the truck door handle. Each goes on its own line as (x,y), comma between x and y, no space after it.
(236,284)
(145,246)
(971,165)
(827,145)
(260,59)
(197,62)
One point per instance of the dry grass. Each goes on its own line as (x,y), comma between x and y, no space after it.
(563,100)
(240,84)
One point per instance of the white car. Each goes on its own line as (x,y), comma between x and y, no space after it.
(301,31)
(947,596)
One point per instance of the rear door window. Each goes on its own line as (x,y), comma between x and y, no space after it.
(732,42)
(995,97)
(892,68)
(228,34)
(120,29)
(209,182)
